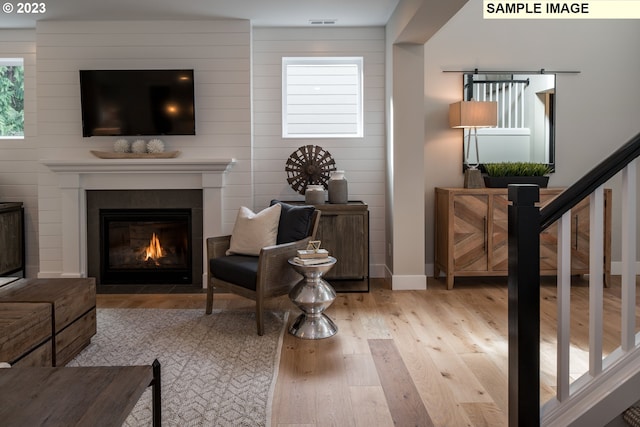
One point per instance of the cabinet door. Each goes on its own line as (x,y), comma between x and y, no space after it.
(470,216)
(579,242)
(499,255)
(11,248)
(549,242)
(343,235)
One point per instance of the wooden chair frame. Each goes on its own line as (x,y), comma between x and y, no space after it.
(275,275)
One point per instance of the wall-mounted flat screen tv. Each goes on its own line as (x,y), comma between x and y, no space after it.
(137,102)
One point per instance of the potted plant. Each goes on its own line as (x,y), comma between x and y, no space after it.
(500,175)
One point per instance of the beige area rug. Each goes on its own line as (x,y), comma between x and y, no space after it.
(216,371)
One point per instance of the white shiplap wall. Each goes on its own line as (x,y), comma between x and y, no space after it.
(219,51)
(362,159)
(18,183)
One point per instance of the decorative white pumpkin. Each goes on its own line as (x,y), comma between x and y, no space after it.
(155,146)
(139,146)
(122,146)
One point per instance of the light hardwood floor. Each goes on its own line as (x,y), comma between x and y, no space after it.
(435,357)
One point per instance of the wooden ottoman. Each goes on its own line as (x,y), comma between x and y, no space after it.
(25,334)
(73,310)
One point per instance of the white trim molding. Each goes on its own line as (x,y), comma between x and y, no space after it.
(416,282)
(616,268)
(75,177)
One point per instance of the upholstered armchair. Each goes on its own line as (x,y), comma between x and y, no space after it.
(268,274)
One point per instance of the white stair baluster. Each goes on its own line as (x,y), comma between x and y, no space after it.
(628,285)
(596,271)
(564,306)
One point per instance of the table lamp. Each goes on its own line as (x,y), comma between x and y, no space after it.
(473,115)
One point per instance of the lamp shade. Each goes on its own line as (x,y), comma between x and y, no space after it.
(469,114)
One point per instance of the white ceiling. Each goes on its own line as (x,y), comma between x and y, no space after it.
(260,12)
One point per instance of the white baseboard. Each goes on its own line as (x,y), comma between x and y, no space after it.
(59,275)
(72,276)
(616,268)
(49,275)
(416,282)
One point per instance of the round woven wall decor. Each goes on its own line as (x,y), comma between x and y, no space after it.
(309,164)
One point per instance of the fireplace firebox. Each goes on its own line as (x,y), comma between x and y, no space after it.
(150,246)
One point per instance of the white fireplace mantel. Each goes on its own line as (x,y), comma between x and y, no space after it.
(76,176)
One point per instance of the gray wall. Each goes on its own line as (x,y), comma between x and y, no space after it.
(597,110)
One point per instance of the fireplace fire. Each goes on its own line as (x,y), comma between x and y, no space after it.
(151,246)
(154,250)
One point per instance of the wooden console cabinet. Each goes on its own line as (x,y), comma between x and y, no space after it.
(344,232)
(471,234)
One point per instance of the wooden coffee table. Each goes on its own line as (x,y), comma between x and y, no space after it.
(83,396)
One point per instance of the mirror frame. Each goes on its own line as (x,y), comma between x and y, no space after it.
(468,94)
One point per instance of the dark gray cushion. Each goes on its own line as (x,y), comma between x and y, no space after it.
(237,269)
(295,222)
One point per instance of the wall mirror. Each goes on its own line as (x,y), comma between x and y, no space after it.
(526,116)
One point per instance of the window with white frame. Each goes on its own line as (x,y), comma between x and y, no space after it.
(11,98)
(322,97)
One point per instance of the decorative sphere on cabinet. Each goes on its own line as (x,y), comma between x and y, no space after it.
(121,146)
(155,146)
(139,146)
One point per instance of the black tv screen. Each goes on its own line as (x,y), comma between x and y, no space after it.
(137,102)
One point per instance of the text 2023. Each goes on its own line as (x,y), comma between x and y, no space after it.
(31,7)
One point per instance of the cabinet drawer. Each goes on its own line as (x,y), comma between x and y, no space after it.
(11,238)
(23,327)
(42,356)
(75,337)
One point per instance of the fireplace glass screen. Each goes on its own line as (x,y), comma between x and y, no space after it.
(151,246)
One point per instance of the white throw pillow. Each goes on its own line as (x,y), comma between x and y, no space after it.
(253,231)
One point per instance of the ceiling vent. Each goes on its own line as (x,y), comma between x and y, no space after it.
(322,21)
